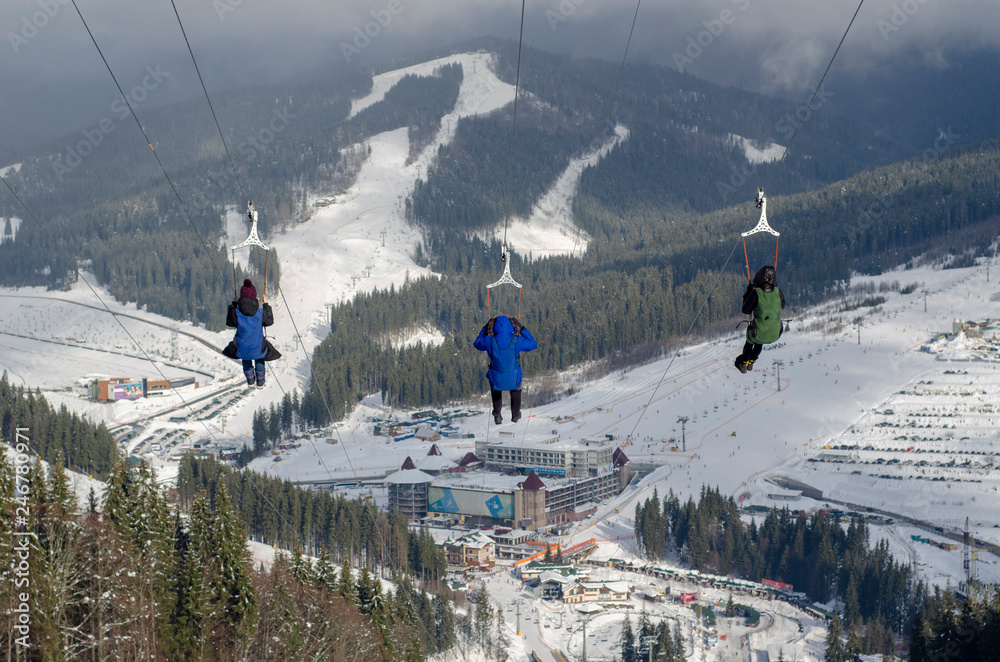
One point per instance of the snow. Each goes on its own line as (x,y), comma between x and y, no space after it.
(362,241)
(6,170)
(755,154)
(80,484)
(549,229)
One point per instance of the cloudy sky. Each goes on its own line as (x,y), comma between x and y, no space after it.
(52,80)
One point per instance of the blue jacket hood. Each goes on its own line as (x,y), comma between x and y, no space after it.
(503,331)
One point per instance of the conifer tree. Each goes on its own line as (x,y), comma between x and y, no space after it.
(679,653)
(365,591)
(345,583)
(834,646)
(325,576)
(233,589)
(192,609)
(628,640)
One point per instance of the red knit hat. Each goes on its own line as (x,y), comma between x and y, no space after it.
(248,291)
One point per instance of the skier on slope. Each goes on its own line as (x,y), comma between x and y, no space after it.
(764,300)
(249,345)
(503,339)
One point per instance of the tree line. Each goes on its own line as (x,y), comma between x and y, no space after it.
(820,557)
(133,577)
(279,513)
(58,436)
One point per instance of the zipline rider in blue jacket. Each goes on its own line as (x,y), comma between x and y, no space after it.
(504,339)
(250,346)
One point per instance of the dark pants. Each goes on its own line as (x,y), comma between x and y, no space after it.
(751,352)
(249,365)
(515,402)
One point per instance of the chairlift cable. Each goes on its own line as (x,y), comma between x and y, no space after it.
(694,321)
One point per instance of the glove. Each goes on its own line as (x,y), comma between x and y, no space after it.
(516,323)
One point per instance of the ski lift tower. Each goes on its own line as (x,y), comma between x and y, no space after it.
(683,421)
(970,559)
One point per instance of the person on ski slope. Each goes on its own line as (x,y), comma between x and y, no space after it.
(503,339)
(764,300)
(249,317)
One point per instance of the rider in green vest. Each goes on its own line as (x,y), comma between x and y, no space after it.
(764,301)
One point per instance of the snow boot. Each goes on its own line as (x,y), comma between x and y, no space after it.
(750,364)
(741,365)
(516,417)
(260,379)
(250,378)
(498,419)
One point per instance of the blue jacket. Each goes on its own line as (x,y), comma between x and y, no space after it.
(249,318)
(503,347)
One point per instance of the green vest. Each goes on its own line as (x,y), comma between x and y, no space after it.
(766,325)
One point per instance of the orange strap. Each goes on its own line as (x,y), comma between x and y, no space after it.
(745,258)
(266,256)
(489,313)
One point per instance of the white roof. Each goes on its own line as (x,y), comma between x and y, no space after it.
(549,575)
(435,463)
(617,587)
(409,477)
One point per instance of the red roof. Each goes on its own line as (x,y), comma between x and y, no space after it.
(532,483)
(408,464)
(470,458)
(619,458)
(434,450)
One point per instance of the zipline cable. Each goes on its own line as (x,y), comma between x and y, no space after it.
(513,129)
(209,99)
(146,136)
(621,69)
(813,97)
